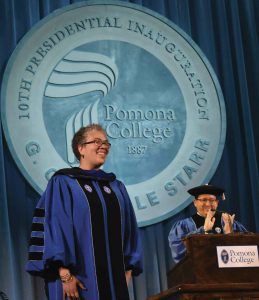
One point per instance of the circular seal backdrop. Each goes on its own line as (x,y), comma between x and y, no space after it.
(139,76)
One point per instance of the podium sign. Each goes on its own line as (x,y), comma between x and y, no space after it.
(237,256)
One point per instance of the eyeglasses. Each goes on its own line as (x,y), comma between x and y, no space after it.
(205,200)
(98,142)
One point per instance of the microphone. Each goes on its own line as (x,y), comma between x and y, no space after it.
(213,209)
(217,212)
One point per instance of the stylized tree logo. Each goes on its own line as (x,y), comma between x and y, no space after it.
(76,74)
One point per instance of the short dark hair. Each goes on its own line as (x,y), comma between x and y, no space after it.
(81,135)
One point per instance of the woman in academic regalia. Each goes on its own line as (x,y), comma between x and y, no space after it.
(85,241)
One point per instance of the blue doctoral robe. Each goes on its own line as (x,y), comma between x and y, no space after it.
(85,221)
(185,227)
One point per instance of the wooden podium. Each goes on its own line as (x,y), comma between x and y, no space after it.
(198,276)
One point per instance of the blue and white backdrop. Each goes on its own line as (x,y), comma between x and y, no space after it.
(175,84)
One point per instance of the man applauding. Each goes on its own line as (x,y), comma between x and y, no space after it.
(207,219)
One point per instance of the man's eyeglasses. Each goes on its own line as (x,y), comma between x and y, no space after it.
(205,200)
(98,142)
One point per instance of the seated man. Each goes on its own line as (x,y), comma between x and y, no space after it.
(206,220)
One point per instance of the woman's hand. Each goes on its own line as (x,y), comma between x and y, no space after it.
(69,284)
(128,276)
(70,288)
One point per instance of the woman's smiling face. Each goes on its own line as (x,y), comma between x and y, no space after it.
(93,154)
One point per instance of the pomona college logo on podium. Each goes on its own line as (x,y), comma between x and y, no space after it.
(139,76)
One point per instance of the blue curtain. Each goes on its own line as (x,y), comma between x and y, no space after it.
(227,31)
